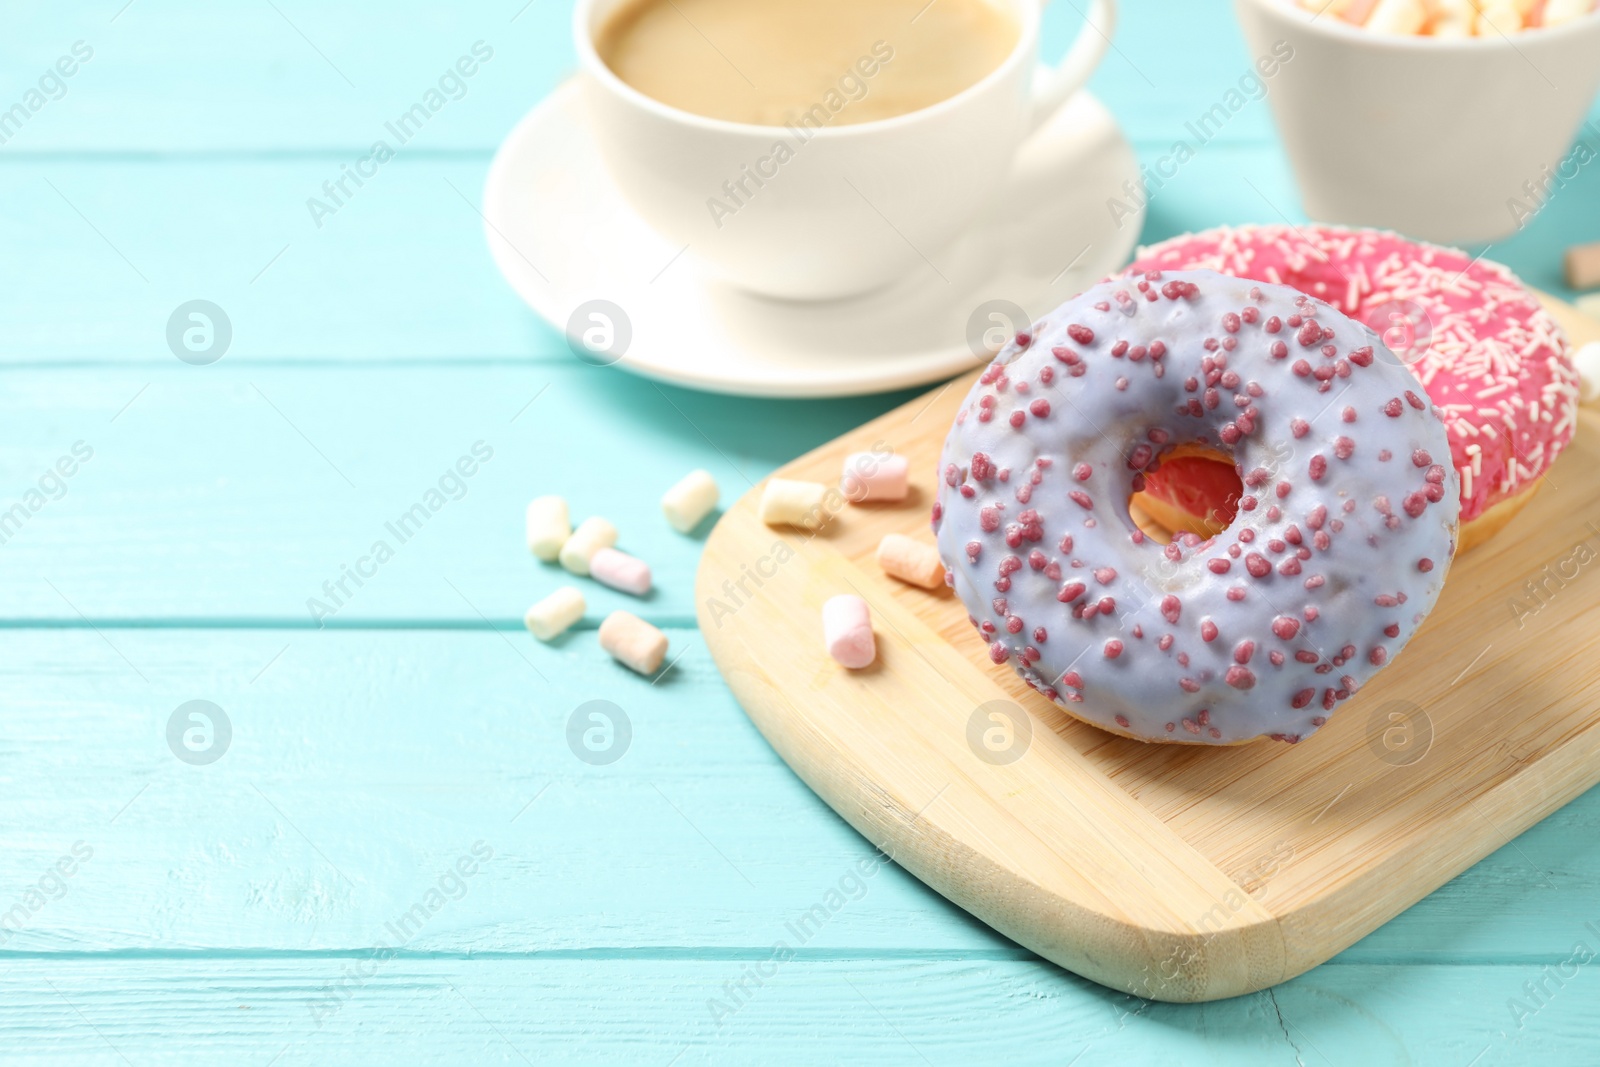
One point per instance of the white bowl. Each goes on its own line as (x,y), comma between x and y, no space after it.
(1454,141)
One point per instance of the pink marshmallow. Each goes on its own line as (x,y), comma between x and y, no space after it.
(847,631)
(871,476)
(620,571)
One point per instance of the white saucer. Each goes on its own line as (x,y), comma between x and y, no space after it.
(561,234)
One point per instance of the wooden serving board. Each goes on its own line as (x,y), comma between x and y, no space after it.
(1173,872)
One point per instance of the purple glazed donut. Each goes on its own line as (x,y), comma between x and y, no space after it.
(1345,526)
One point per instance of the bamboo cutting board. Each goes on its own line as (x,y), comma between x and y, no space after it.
(1171,872)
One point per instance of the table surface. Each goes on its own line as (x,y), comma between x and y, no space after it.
(162,911)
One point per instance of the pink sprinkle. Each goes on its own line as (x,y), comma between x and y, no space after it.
(1243,651)
(1113,648)
(1378,656)
(1285,628)
(1424,565)
(1081,334)
(1071,591)
(1240,677)
(1319,467)
(1041,407)
(1208,630)
(1171,607)
(1105,575)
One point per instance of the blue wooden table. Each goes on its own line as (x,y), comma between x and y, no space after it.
(397,857)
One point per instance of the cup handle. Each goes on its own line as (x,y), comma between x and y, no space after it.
(1053,87)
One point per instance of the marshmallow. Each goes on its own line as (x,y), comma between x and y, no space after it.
(1453,18)
(787,503)
(1587,360)
(548,527)
(691,500)
(620,571)
(1397,16)
(555,613)
(1497,17)
(1558,11)
(911,561)
(591,536)
(847,631)
(633,642)
(1583,266)
(870,476)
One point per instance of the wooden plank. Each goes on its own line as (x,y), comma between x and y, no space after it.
(381,757)
(235,492)
(657,1011)
(280,94)
(1152,876)
(402,271)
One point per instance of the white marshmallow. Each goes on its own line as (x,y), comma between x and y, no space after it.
(555,613)
(1499,17)
(847,631)
(870,476)
(592,534)
(1587,360)
(1558,11)
(1397,16)
(911,561)
(1453,18)
(633,642)
(790,503)
(620,571)
(548,527)
(691,500)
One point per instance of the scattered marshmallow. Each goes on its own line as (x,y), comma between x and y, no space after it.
(633,642)
(847,631)
(548,527)
(789,503)
(555,614)
(620,571)
(1583,266)
(591,536)
(911,561)
(691,500)
(1587,360)
(869,476)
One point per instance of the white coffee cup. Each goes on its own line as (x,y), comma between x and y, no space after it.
(850,208)
(1438,139)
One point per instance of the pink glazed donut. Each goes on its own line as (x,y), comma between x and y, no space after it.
(1340,544)
(1496,364)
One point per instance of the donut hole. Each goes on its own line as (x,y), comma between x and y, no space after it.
(1195,489)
